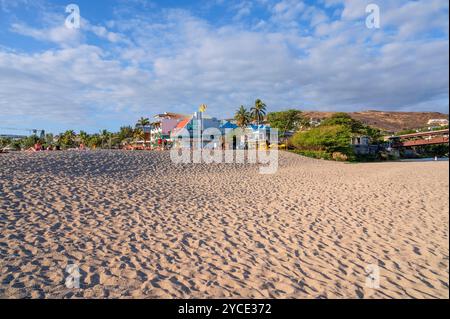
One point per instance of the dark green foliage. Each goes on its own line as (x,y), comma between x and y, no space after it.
(29,141)
(4,142)
(333,135)
(356,127)
(67,139)
(284,121)
(258,111)
(242,117)
(325,138)
(314,154)
(126,132)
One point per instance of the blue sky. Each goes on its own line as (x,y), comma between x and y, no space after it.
(133,58)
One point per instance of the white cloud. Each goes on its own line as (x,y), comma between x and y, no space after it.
(243,9)
(104,33)
(287,11)
(179,61)
(59,34)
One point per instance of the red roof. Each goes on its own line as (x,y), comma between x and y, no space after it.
(182,124)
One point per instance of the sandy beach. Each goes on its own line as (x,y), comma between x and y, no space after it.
(139,226)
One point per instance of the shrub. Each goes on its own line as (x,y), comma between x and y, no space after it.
(29,141)
(338,156)
(314,154)
(333,138)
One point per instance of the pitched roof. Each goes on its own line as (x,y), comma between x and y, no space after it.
(182,124)
(170,115)
(228,125)
(258,127)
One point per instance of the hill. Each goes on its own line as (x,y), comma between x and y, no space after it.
(386,121)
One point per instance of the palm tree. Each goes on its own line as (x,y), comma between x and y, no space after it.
(138,134)
(242,117)
(69,133)
(84,137)
(67,139)
(104,136)
(141,123)
(49,139)
(258,111)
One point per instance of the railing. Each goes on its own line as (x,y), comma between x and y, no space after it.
(432,141)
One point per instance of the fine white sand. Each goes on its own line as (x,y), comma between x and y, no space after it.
(139,226)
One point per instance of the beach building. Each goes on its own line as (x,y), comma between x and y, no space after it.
(193,122)
(249,137)
(438,122)
(164,125)
(207,121)
(229,132)
(314,122)
(226,126)
(362,145)
(196,123)
(245,138)
(256,135)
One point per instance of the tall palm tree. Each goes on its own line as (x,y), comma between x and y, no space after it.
(142,122)
(242,117)
(258,111)
(67,139)
(69,133)
(49,139)
(104,136)
(83,137)
(138,134)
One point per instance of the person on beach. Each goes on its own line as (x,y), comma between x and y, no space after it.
(36,148)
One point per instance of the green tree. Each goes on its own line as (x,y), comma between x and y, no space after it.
(330,138)
(242,117)
(105,137)
(83,137)
(67,139)
(258,111)
(138,134)
(125,133)
(29,141)
(356,127)
(284,121)
(94,141)
(345,119)
(49,139)
(4,142)
(143,122)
